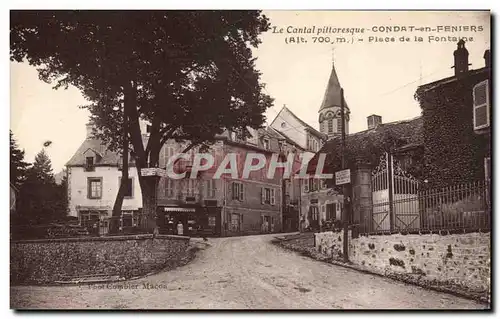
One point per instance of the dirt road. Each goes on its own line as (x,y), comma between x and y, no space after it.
(243,273)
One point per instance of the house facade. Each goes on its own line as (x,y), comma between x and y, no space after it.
(229,205)
(94,177)
(226,206)
(457,118)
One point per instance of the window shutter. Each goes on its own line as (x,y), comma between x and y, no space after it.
(233,192)
(481,105)
(241,191)
(273,196)
(263,195)
(213,187)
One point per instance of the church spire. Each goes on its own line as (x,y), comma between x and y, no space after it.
(332,92)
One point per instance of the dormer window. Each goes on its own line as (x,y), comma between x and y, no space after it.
(281,145)
(89,164)
(267,145)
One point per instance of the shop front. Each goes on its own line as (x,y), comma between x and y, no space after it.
(195,221)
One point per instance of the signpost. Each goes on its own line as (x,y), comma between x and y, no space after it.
(153,171)
(343,177)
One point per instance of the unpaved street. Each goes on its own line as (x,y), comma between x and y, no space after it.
(243,273)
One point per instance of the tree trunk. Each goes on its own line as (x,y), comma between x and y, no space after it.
(114,226)
(149,187)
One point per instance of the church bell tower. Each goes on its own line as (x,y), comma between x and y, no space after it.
(330,122)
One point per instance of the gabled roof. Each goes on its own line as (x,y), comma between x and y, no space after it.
(306,126)
(365,146)
(107,157)
(283,136)
(332,95)
(94,151)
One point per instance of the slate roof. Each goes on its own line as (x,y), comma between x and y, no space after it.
(105,157)
(365,145)
(432,85)
(332,95)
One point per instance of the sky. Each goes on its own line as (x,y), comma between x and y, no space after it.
(378,78)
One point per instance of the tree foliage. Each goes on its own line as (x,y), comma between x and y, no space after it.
(18,166)
(191,74)
(41,199)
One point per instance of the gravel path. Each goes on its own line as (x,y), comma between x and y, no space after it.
(243,273)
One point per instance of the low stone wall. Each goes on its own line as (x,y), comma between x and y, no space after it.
(456,260)
(52,260)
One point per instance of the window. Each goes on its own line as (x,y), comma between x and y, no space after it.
(330,126)
(89,164)
(306,186)
(313,184)
(94,187)
(280,145)
(324,184)
(487,169)
(314,213)
(339,126)
(266,144)
(268,196)
(481,105)
(331,210)
(128,187)
(237,190)
(210,187)
(168,154)
(191,186)
(169,188)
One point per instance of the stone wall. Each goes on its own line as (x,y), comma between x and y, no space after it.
(455,260)
(47,261)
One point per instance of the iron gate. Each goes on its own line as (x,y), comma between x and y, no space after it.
(394,197)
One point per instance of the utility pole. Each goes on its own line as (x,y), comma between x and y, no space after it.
(345,186)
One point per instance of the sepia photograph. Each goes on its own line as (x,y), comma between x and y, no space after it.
(250,160)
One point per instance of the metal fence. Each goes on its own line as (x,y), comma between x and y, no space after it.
(464,207)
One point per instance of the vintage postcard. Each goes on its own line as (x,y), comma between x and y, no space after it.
(332,160)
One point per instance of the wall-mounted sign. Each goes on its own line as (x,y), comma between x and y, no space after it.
(153,171)
(343,177)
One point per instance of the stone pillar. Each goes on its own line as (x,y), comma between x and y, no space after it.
(362,197)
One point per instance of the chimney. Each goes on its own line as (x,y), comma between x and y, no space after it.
(487,61)
(461,59)
(90,127)
(374,121)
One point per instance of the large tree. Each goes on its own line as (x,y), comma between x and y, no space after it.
(191,74)
(17,164)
